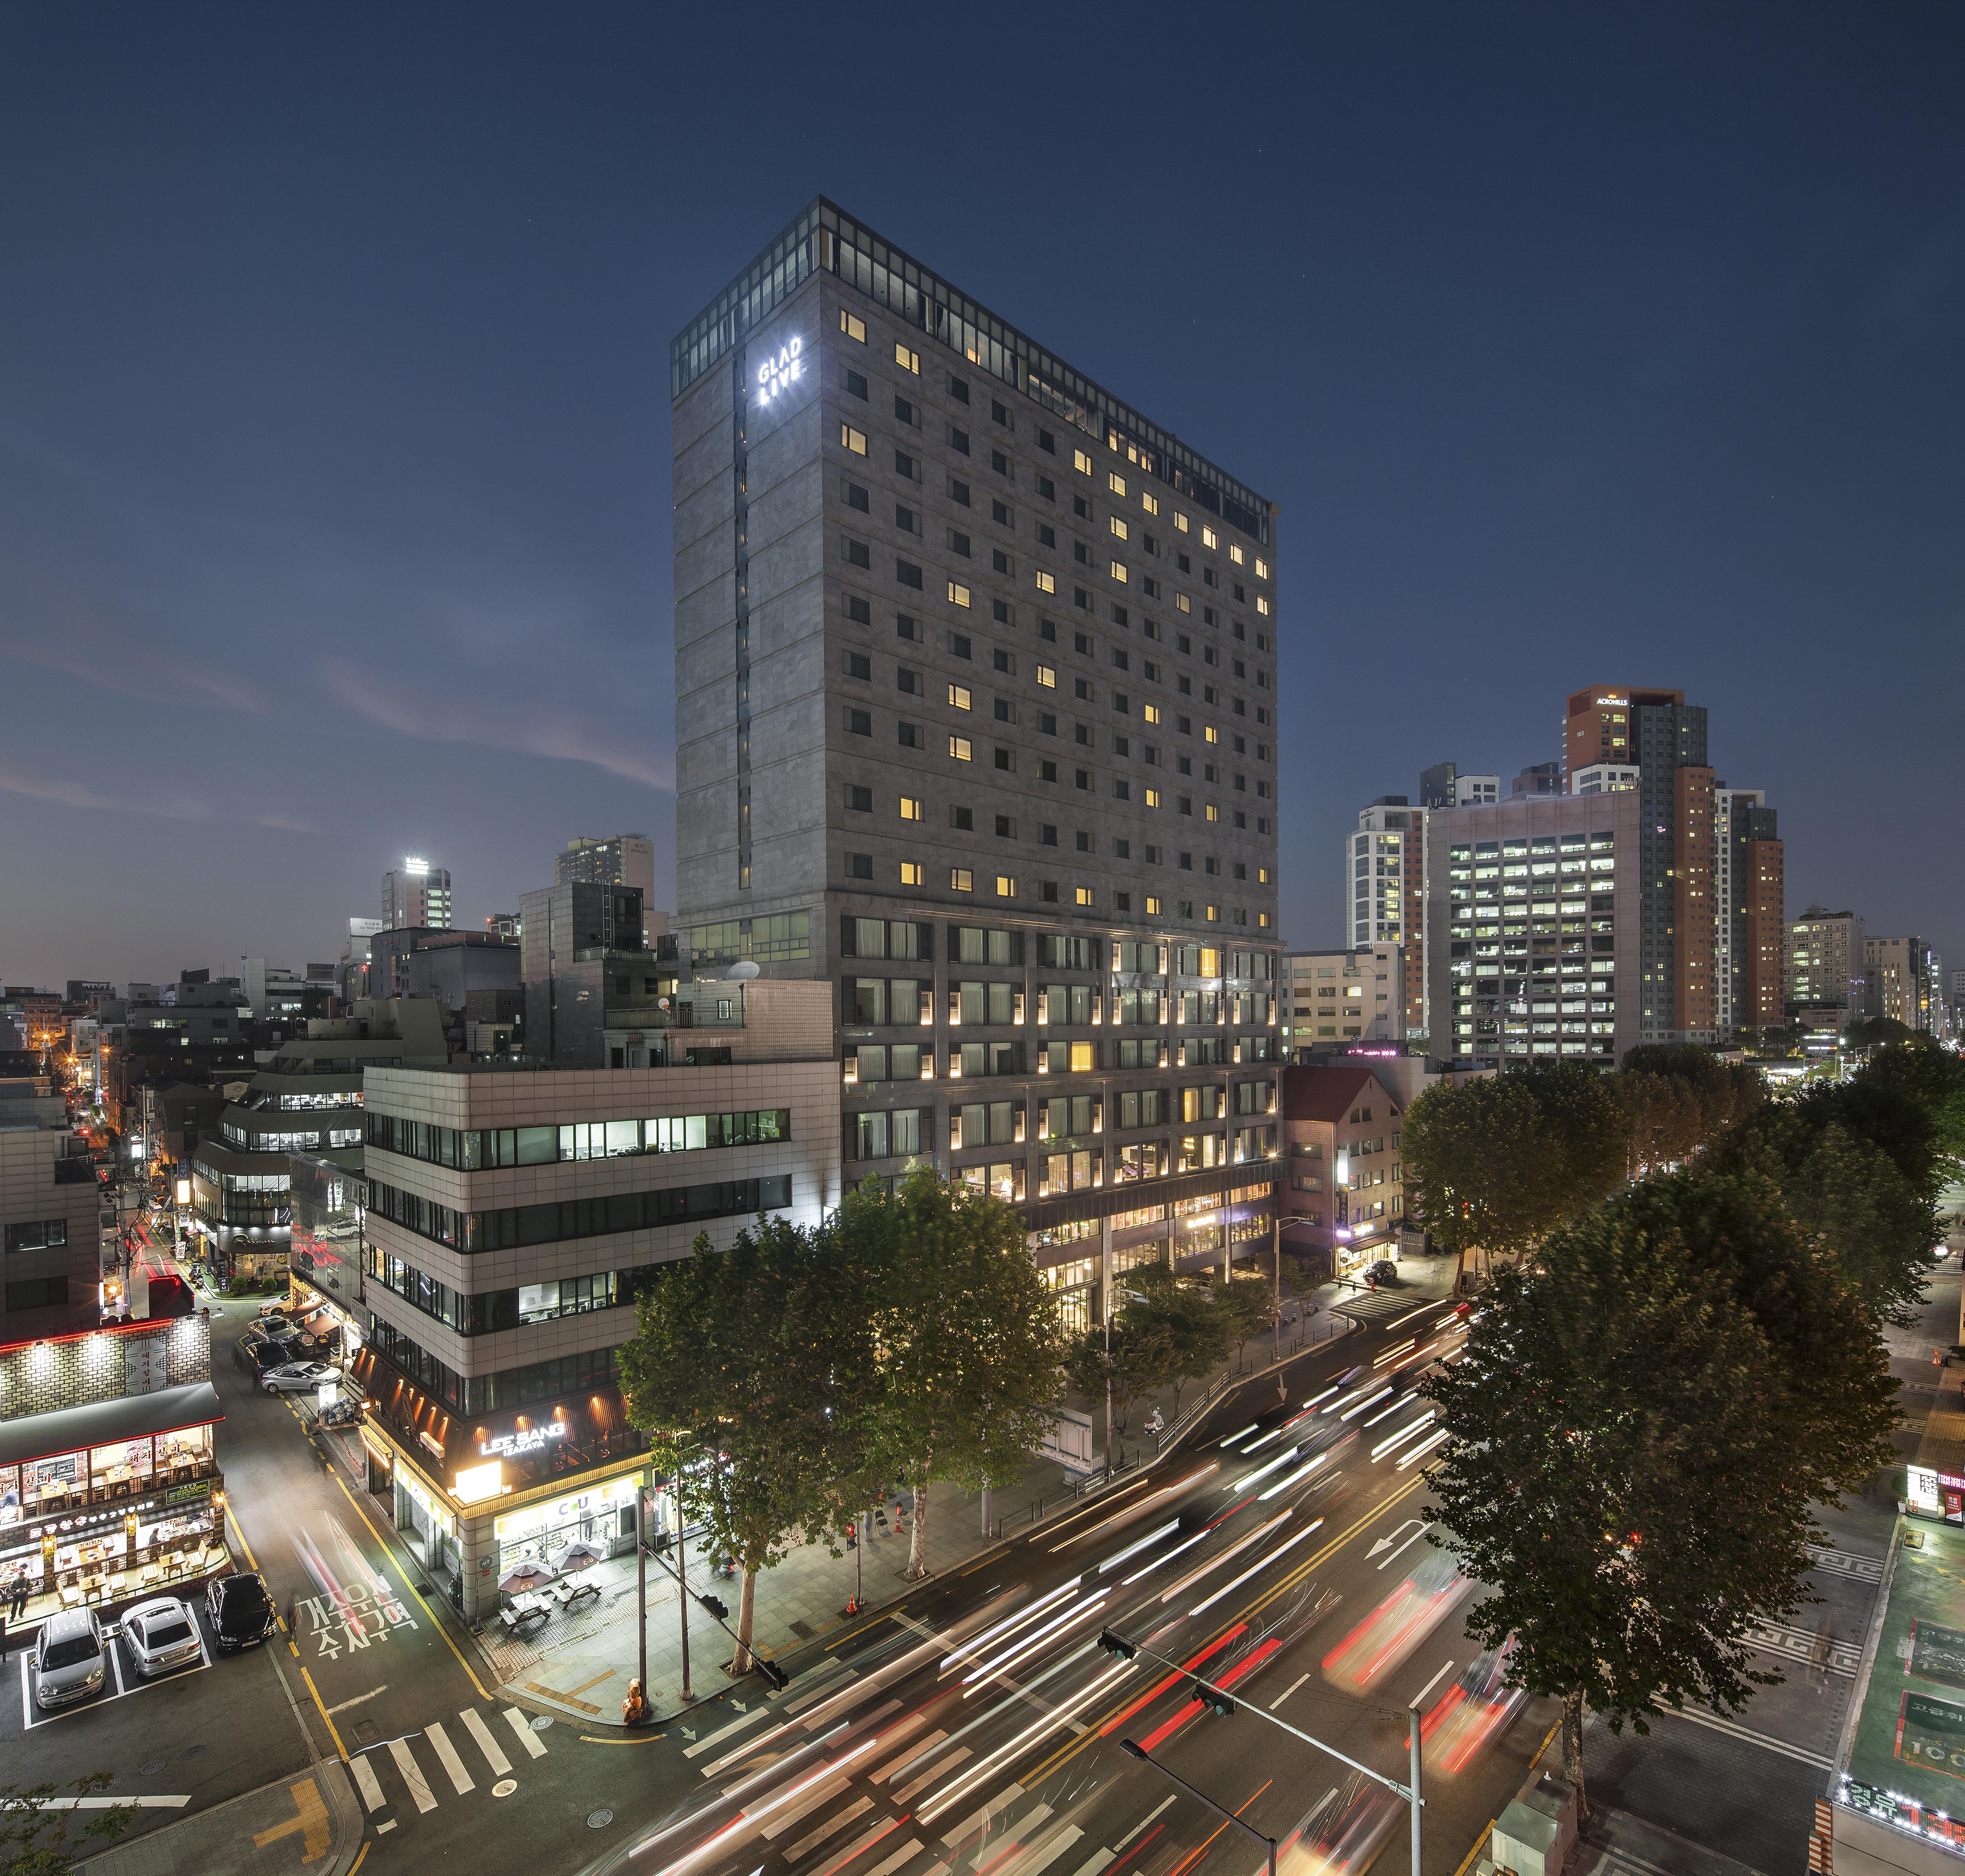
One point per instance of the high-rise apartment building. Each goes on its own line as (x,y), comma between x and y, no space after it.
(1533,923)
(416,893)
(1749,912)
(1665,738)
(1384,868)
(1822,967)
(1331,998)
(976,684)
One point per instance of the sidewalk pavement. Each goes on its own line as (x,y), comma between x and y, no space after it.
(310,1822)
(577,1665)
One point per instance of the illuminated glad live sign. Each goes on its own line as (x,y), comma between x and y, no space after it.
(528,1440)
(780,370)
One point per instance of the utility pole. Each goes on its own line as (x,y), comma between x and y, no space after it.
(682,1600)
(1412,1740)
(641,1582)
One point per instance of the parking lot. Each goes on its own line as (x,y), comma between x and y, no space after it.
(193,1737)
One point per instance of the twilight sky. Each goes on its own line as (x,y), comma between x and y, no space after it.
(1577,344)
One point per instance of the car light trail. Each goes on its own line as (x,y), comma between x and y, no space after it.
(1419,1452)
(1256,1568)
(1154,1692)
(1295,1478)
(1193,1707)
(1022,1649)
(1134,1511)
(1262,1472)
(1214,1563)
(1133,1550)
(1393,1353)
(1353,1414)
(1394,1441)
(968,1653)
(1234,1437)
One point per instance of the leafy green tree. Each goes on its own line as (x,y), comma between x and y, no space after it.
(34,1842)
(751,1370)
(1862,1033)
(1641,1425)
(1251,1306)
(966,1338)
(1855,1167)
(1494,1165)
(1930,1078)
(1198,1331)
(1140,1360)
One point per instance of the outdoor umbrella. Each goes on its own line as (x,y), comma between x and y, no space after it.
(576,1556)
(524,1576)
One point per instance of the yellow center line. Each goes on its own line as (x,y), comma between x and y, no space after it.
(412,1588)
(362,1857)
(590,1739)
(1091,1735)
(315,1692)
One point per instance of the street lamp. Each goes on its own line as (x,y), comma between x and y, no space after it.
(1140,1752)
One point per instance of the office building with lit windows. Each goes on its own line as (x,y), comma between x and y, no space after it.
(1533,923)
(415,894)
(976,683)
(1749,897)
(1384,865)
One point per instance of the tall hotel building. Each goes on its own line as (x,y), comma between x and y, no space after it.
(976,694)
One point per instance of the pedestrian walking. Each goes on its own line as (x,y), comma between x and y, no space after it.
(17,1607)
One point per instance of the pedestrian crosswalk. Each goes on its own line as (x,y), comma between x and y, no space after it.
(378,1769)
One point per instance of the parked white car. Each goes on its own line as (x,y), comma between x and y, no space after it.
(162,1634)
(298,1378)
(71,1661)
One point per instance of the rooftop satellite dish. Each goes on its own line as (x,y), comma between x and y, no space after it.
(743,969)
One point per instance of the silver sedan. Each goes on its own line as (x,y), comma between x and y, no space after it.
(161,1635)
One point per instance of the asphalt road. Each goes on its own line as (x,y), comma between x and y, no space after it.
(1293,1558)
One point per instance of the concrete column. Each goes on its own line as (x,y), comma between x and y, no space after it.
(403,1506)
(475,1543)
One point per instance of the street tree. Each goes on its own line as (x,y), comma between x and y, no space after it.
(38,1836)
(965,1336)
(751,1368)
(1140,1360)
(1251,1306)
(1495,1165)
(1931,1078)
(1641,1424)
(1198,1330)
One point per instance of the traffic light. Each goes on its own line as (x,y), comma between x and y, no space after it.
(852,1536)
(1211,1698)
(1116,1645)
(715,1605)
(772,1672)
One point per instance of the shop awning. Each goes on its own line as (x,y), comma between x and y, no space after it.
(104,1422)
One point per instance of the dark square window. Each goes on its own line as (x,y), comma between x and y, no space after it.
(858,611)
(1005,712)
(999,462)
(958,389)
(958,646)
(1182,558)
(1118,615)
(1083,689)
(1047,771)
(857,664)
(999,512)
(1185,863)
(856,497)
(958,491)
(903,410)
(1047,890)
(1119,659)
(1122,745)
(1122,901)
(1047,441)
(958,440)
(909,681)
(999,611)
(910,737)
(859,865)
(905,519)
(1003,661)
(958,543)
(1004,761)
(1047,836)
(905,628)
(1081,553)
(963,818)
(856,555)
(999,413)
(1083,778)
(904,465)
(1046,630)
(1048,488)
(1006,827)
(1122,849)
(1047,724)
(855,384)
(999,559)
(1047,534)
(1084,841)
(908,574)
(859,801)
(859,723)
(1081,508)
(1084,735)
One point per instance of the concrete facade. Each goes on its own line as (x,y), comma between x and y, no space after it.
(1533,907)
(1385,866)
(976,681)
(1336,997)
(50,1232)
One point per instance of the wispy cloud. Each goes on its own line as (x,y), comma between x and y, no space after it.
(15,780)
(560,736)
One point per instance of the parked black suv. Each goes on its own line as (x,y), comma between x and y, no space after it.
(239,1610)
